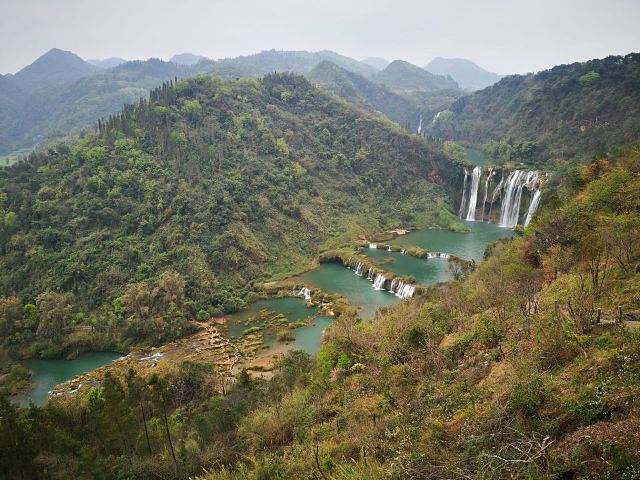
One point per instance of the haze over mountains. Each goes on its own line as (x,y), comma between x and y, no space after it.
(60,93)
(468,75)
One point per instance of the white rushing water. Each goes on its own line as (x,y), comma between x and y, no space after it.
(358,269)
(306,293)
(373,246)
(516,182)
(378,283)
(463,202)
(533,206)
(486,190)
(420,126)
(473,192)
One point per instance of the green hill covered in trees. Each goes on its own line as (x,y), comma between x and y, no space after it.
(223,184)
(575,110)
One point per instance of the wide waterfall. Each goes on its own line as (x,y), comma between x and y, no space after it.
(463,202)
(373,246)
(473,192)
(533,206)
(358,269)
(401,289)
(378,283)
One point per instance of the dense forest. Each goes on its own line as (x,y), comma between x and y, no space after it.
(184,204)
(577,110)
(538,382)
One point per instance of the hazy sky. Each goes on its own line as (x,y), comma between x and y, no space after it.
(506,36)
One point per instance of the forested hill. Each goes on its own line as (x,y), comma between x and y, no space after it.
(225,182)
(581,109)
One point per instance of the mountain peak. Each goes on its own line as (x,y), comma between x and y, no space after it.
(400,75)
(54,68)
(468,74)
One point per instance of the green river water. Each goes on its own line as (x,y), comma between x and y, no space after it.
(329,277)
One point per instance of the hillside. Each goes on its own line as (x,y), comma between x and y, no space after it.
(539,382)
(405,109)
(58,111)
(107,62)
(186,59)
(468,75)
(54,68)
(402,76)
(227,183)
(270,61)
(575,110)
(378,63)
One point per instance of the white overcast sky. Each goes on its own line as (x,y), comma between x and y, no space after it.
(506,36)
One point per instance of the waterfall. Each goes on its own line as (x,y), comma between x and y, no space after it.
(516,182)
(373,246)
(305,292)
(402,251)
(370,274)
(378,283)
(388,249)
(405,290)
(438,255)
(420,126)
(359,269)
(533,206)
(464,194)
(486,190)
(473,192)
(394,284)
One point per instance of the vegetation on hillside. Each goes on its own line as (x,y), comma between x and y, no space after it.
(401,76)
(185,203)
(577,110)
(458,383)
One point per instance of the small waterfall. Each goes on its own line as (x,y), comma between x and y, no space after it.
(405,290)
(388,249)
(359,269)
(473,193)
(463,202)
(370,274)
(378,283)
(394,284)
(438,255)
(402,251)
(486,190)
(305,292)
(533,206)
(373,246)
(420,126)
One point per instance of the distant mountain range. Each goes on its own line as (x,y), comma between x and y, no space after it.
(468,75)
(60,93)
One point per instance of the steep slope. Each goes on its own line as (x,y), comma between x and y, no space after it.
(107,62)
(468,75)
(404,109)
(577,110)
(54,68)
(403,76)
(186,59)
(227,183)
(285,61)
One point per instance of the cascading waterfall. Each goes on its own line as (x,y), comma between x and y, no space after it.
(463,202)
(473,192)
(420,126)
(486,190)
(438,255)
(388,249)
(370,274)
(394,284)
(533,206)
(516,182)
(378,283)
(373,246)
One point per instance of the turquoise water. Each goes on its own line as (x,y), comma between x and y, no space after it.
(45,374)
(425,271)
(307,338)
(469,245)
(335,278)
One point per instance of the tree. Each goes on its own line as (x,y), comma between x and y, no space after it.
(53,312)
(161,395)
(10,315)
